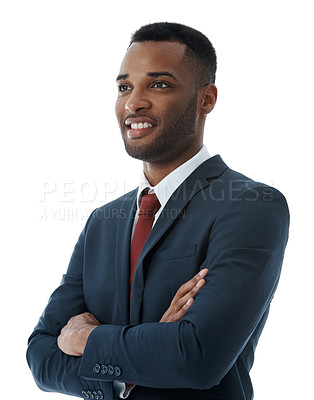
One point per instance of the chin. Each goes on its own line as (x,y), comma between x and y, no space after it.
(146,153)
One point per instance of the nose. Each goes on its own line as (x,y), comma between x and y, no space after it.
(137,101)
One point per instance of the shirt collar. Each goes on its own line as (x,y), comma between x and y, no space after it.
(166,187)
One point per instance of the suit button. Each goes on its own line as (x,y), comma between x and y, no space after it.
(96,368)
(96,397)
(110,369)
(85,394)
(100,395)
(90,395)
(117,371)
(104,369)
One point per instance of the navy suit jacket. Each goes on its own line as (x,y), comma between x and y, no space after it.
(218,219)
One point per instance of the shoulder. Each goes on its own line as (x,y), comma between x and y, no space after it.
(239,199)
(243,188)
(232,186)
(256,197)
(254,211)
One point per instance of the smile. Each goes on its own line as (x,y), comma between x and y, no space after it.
(141,125)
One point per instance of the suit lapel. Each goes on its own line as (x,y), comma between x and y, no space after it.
(122,255)
(197,181)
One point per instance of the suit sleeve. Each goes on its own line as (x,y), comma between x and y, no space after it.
(51,368)
(245,253)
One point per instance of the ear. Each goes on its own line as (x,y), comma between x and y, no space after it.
(208,98)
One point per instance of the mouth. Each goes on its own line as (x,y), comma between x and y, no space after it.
(138,127)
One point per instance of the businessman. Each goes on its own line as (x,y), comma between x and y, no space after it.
(167,297)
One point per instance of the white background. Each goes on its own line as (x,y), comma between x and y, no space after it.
(62,155)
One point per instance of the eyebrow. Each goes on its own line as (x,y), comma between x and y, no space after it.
(121,77)
(162,73)
(150,74)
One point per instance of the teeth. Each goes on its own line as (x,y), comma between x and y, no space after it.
(141,125)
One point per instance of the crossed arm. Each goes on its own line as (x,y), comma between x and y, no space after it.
(244,259)
(73,337)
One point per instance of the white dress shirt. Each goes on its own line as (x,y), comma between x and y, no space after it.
(163,190)
(166,187)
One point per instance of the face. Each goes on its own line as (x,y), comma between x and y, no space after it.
(157,102)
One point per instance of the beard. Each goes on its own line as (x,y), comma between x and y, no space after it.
(171,142)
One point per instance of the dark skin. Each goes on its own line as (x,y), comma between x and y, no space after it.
(156,89)
(163,98)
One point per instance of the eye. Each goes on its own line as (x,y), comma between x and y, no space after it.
(161,85)
(124,88)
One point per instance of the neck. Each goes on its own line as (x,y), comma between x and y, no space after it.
(156,172)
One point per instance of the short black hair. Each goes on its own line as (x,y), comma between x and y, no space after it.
(200,53)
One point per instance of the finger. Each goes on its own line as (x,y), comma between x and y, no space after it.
(189,285)
(92,318)
(183,300)
(191,293)
(180,303)
(201,283)
(95,321)
(89,318)
(177,310)
(180,313)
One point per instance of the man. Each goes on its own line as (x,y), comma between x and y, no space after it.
(166,301)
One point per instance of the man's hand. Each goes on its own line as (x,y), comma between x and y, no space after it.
(184,298)
(73,337)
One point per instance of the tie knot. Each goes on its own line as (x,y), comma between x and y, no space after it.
(149,205)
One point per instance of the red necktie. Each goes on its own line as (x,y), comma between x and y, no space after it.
(149,206)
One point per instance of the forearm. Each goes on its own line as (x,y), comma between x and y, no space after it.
(198,351)
(144,355)
(52,369)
